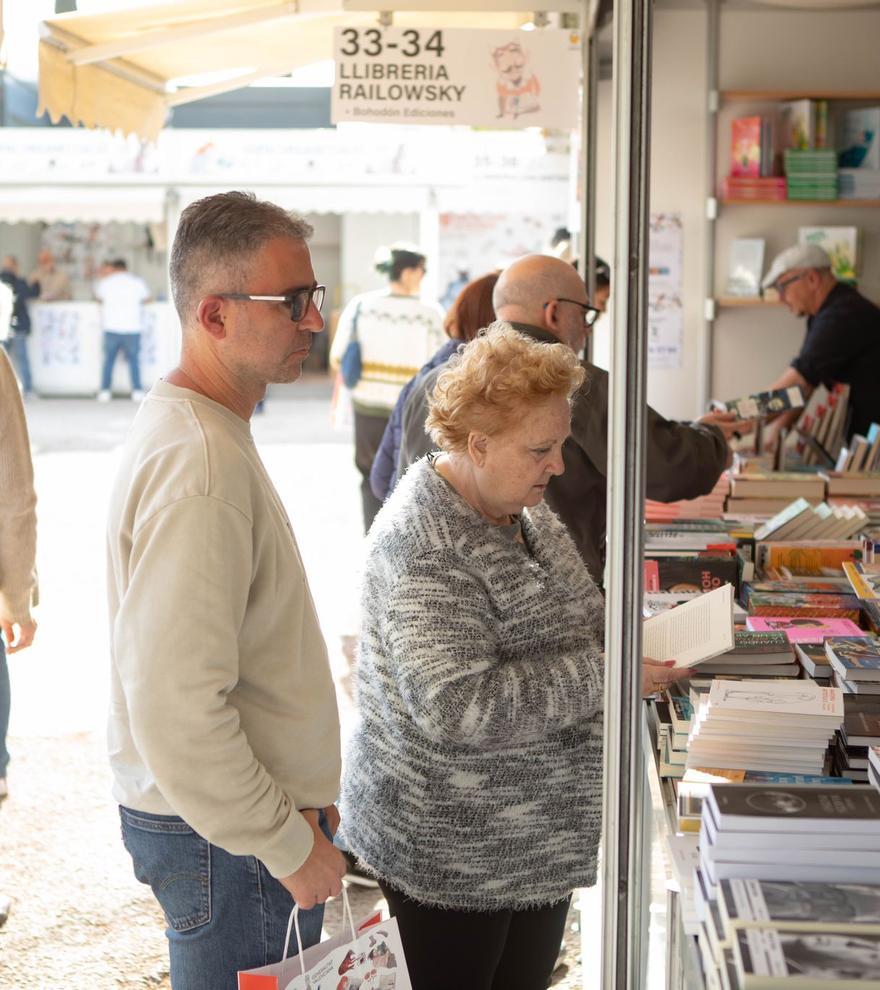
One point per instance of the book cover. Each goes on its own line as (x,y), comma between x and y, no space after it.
(795,808)
(748,643)
(856,658)
(841,244)
(805,559)
(745,147)
(745,265)
(822,606)
(860,139)
(864,579)
(809,629)
(843,907)
(797,124)
(766,403)
(771,698)
(813,659)
(800,957)
(684,574)
(784,588)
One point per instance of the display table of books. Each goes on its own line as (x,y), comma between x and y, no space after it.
(764,765)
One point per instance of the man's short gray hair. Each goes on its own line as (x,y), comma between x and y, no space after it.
(216,241)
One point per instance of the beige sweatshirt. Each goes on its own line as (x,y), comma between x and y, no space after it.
(18,517)
(222,706)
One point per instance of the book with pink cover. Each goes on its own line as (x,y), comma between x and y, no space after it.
(745,146)
(808,629)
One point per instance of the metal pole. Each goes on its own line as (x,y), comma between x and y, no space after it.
(712,101)
(587,253)
(623,790)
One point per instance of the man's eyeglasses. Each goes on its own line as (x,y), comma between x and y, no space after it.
(781,286)
(591,314)
(298,300)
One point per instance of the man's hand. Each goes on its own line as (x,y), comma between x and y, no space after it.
(26,632)
(658,676)
(321,874)
(728,423)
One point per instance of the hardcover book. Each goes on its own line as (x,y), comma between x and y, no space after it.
(801,958)
(812,629)
(768,808)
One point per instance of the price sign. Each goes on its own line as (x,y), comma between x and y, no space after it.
(457,76)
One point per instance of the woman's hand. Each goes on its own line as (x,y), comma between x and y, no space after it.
(658,675)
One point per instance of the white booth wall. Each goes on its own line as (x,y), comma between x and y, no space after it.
(759,50)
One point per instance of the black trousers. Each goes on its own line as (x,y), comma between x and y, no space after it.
(368,432)
(472,950)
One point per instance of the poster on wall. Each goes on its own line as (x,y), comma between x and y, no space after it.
(474,244)
(665,311)
(481,78)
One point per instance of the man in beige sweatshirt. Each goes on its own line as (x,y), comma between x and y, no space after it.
(223,730)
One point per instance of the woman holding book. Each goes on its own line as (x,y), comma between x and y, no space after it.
(473,782)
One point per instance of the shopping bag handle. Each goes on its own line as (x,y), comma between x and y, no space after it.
(293,923)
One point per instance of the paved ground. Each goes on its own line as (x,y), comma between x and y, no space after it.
(79,919)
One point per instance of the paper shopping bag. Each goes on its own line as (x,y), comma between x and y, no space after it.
(369,956)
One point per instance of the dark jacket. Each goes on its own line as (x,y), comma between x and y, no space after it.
(383,473)
(21,317)
(684,460)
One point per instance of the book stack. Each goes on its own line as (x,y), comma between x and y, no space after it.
(779,485)
(754,188)
(800,603)
(815,833)
(800,520)
(858,735)
(811,174)
(859,183)
(855,661)
(771,725)
(671,736)
(797,934)
(754,655)
(708,506)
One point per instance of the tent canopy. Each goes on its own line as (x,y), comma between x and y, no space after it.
(123,69)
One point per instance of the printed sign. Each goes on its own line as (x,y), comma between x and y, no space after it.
(457,76)
(665,310)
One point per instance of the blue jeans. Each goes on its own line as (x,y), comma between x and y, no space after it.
(130,345)
(16,346)
(4,709)
(225,913)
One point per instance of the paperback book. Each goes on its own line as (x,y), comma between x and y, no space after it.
(766,958)
(855,658)
(841,245)
(841,907)
(809,629)
(864,579)
(806,604)
(843,810)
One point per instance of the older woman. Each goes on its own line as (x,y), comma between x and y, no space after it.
(473,782)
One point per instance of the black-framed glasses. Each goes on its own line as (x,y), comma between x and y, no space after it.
(785,283)
(298,300)
(591,314)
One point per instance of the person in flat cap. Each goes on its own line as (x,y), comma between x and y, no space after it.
(842,343)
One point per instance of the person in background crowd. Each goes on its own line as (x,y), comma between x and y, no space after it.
(473,782)
(52,283)
(20,329)
(224,732)
(397,333)
(470,312)
(843,336)
(122,296)
(545,299)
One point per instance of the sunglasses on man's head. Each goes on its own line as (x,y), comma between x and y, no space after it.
(298,300)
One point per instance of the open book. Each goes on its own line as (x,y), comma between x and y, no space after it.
(695,631)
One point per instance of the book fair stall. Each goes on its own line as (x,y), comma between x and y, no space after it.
(746,799)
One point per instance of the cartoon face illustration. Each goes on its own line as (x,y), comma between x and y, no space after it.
(517,87)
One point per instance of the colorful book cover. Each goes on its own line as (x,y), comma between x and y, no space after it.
(683,574)
(860,139)
(856,657)
(841,244)
(826,606)
(805,560)
(797,128)
(807,629)
(864,579)
(745,150)
(784,588)
(767,403)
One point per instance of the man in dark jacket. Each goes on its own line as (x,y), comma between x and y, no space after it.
(20,328)
(546,299)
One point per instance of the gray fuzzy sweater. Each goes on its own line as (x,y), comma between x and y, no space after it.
(474,778)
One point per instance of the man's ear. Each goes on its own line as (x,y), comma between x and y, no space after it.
(477,444)
(210,316)
(551,318)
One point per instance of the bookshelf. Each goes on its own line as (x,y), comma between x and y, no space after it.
(735,326)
